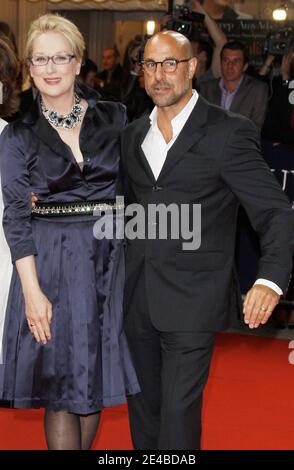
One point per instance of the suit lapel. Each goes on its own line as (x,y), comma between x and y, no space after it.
(140,136)
(192,132)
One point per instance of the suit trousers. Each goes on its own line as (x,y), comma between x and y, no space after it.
(172,369)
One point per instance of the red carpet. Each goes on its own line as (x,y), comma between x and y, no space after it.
(248,403)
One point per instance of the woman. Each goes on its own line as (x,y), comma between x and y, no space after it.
(63,345)
(9,70)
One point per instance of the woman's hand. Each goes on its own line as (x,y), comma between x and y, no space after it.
(34,199)
(38,311)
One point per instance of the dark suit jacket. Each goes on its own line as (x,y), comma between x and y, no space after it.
(214,162)
(250,100)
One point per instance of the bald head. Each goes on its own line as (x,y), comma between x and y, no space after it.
(176,41)
(169,69)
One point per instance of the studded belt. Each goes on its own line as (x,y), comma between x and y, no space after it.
(57,209)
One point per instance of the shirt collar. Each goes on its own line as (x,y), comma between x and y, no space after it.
(222,85)
(179,120)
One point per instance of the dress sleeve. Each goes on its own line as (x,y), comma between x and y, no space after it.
(16,193)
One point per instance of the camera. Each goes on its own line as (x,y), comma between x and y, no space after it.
(280,43)
(183,19)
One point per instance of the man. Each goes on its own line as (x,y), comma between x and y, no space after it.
(190,152)
(88,73)
(110,79)
(203,51)
(208,57)
(235,90)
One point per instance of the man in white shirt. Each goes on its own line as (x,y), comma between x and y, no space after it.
(190,152)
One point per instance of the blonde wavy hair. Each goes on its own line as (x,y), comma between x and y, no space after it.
(57,24)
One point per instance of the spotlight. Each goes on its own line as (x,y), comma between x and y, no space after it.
(150,27)
(280,13)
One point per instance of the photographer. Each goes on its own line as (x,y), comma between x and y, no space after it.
(219,39)
(208,56)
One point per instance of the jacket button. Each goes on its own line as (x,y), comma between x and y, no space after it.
(157,188)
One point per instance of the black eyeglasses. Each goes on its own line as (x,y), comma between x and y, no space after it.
(57,59)
(168,65)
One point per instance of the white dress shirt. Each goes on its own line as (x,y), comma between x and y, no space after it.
(155,149)
(154,145)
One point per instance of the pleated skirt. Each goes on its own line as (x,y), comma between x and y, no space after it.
(86,365)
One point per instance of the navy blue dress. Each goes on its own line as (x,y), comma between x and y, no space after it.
(86,365)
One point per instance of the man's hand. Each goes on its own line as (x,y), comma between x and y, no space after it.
(165,20)
(196,6)
(286,65)
(34,199)
(258,305)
